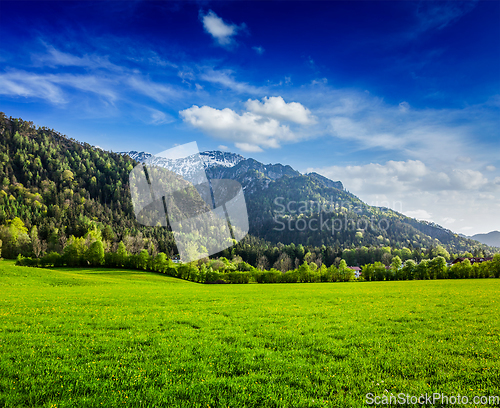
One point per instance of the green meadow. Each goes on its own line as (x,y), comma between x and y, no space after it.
(113,338)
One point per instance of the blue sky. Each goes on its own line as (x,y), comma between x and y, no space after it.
(398,100)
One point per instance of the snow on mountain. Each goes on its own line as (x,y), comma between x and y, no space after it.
(210,159)
(141,157)
(217,158)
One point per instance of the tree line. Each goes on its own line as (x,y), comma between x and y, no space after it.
(89,250)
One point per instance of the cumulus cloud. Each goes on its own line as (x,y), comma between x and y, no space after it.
(402,176)
(276,107)
(257,128)
(250,131)
(222,147)
(221,31)
(491,168)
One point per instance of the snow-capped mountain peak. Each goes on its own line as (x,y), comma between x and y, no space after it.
(210,159)
(218,158)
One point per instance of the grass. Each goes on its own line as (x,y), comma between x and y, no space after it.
(99,337)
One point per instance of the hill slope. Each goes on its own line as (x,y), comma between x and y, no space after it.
(65,188)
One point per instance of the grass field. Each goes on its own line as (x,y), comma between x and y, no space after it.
(99,337)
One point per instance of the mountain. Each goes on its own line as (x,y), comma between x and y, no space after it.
(491,238)
(217,158)
(64,187)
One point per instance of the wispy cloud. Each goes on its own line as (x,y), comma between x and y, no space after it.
(438,15)
(430,135)
(159,92)
(109,81)
(51,87)
(226,79)
(57,58)
(159,117)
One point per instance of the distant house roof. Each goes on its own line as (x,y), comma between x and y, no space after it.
(354,268)
(472,260)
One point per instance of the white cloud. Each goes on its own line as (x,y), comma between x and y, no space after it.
(27,85)
(250,131)
(222,147)
(491,168)
(322,81)
(419,214)
(221,31)
(116,83)
(247,147)
(51,87)
(276,107)
(463,159)
(448,220)
(404,176)
(257,128)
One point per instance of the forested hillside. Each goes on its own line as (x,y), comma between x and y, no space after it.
(58,187)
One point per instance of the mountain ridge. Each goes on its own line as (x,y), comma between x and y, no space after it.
(490,238)
(264,183)
(215,158)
